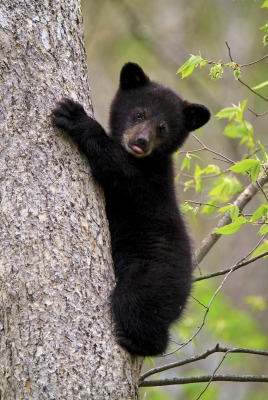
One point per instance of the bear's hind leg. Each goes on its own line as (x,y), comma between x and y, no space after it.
(138,327)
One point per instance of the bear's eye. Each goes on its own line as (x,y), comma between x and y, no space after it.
(162,129)
(138,116)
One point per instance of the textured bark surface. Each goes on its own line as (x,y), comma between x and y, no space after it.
(55,266)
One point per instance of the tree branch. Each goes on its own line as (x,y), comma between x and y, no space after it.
(234,268)
(205,378)
(207,353)
(242,200)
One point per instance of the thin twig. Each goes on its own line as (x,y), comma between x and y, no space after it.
(258,115)
(199,203)
(191,151)
(229,50)
(213,151)
(252,90)
(212,376)
(254,62)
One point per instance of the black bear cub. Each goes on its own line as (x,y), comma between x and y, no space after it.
(151,249)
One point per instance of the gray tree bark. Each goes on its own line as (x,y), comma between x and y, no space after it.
(56,274)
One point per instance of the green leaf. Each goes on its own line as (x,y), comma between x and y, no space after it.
(199,132)
(237,73)
(242,106)
(224,209)
(233,209)
(187,71)
(186,207)
(198,184)
(197,179)
(188,67)
(186,162)
(230,64)
(249,128)
(210,208)
(236,69)
(263,230)
(226,187)
(232,227)
(261,249)
(235,130)
(216,72)
(211,169)
(244,165)
(197,170)
(263,150)
(265,4)
(260,212)
(261,85)
(236,112)
(255,171)
(264,28)
(228,112)
(188,184)
(234,212)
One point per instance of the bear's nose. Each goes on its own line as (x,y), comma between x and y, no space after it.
(141,141)
(140,144)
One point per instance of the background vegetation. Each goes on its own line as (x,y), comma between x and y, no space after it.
(230,309)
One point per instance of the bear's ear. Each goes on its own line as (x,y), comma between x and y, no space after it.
(132,76)
(196,115)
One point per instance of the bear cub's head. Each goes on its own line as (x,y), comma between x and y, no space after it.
(148,118)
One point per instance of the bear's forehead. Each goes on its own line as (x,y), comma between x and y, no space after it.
(155,99)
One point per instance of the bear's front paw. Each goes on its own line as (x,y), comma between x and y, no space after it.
(68,114)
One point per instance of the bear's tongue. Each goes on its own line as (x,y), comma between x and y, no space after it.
(137,149)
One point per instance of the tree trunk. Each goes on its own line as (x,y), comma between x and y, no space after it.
(55,265)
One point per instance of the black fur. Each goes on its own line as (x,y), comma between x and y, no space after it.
(151,249)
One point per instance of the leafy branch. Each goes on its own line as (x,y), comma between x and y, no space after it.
(226,184)
(217,69)
(242,200)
